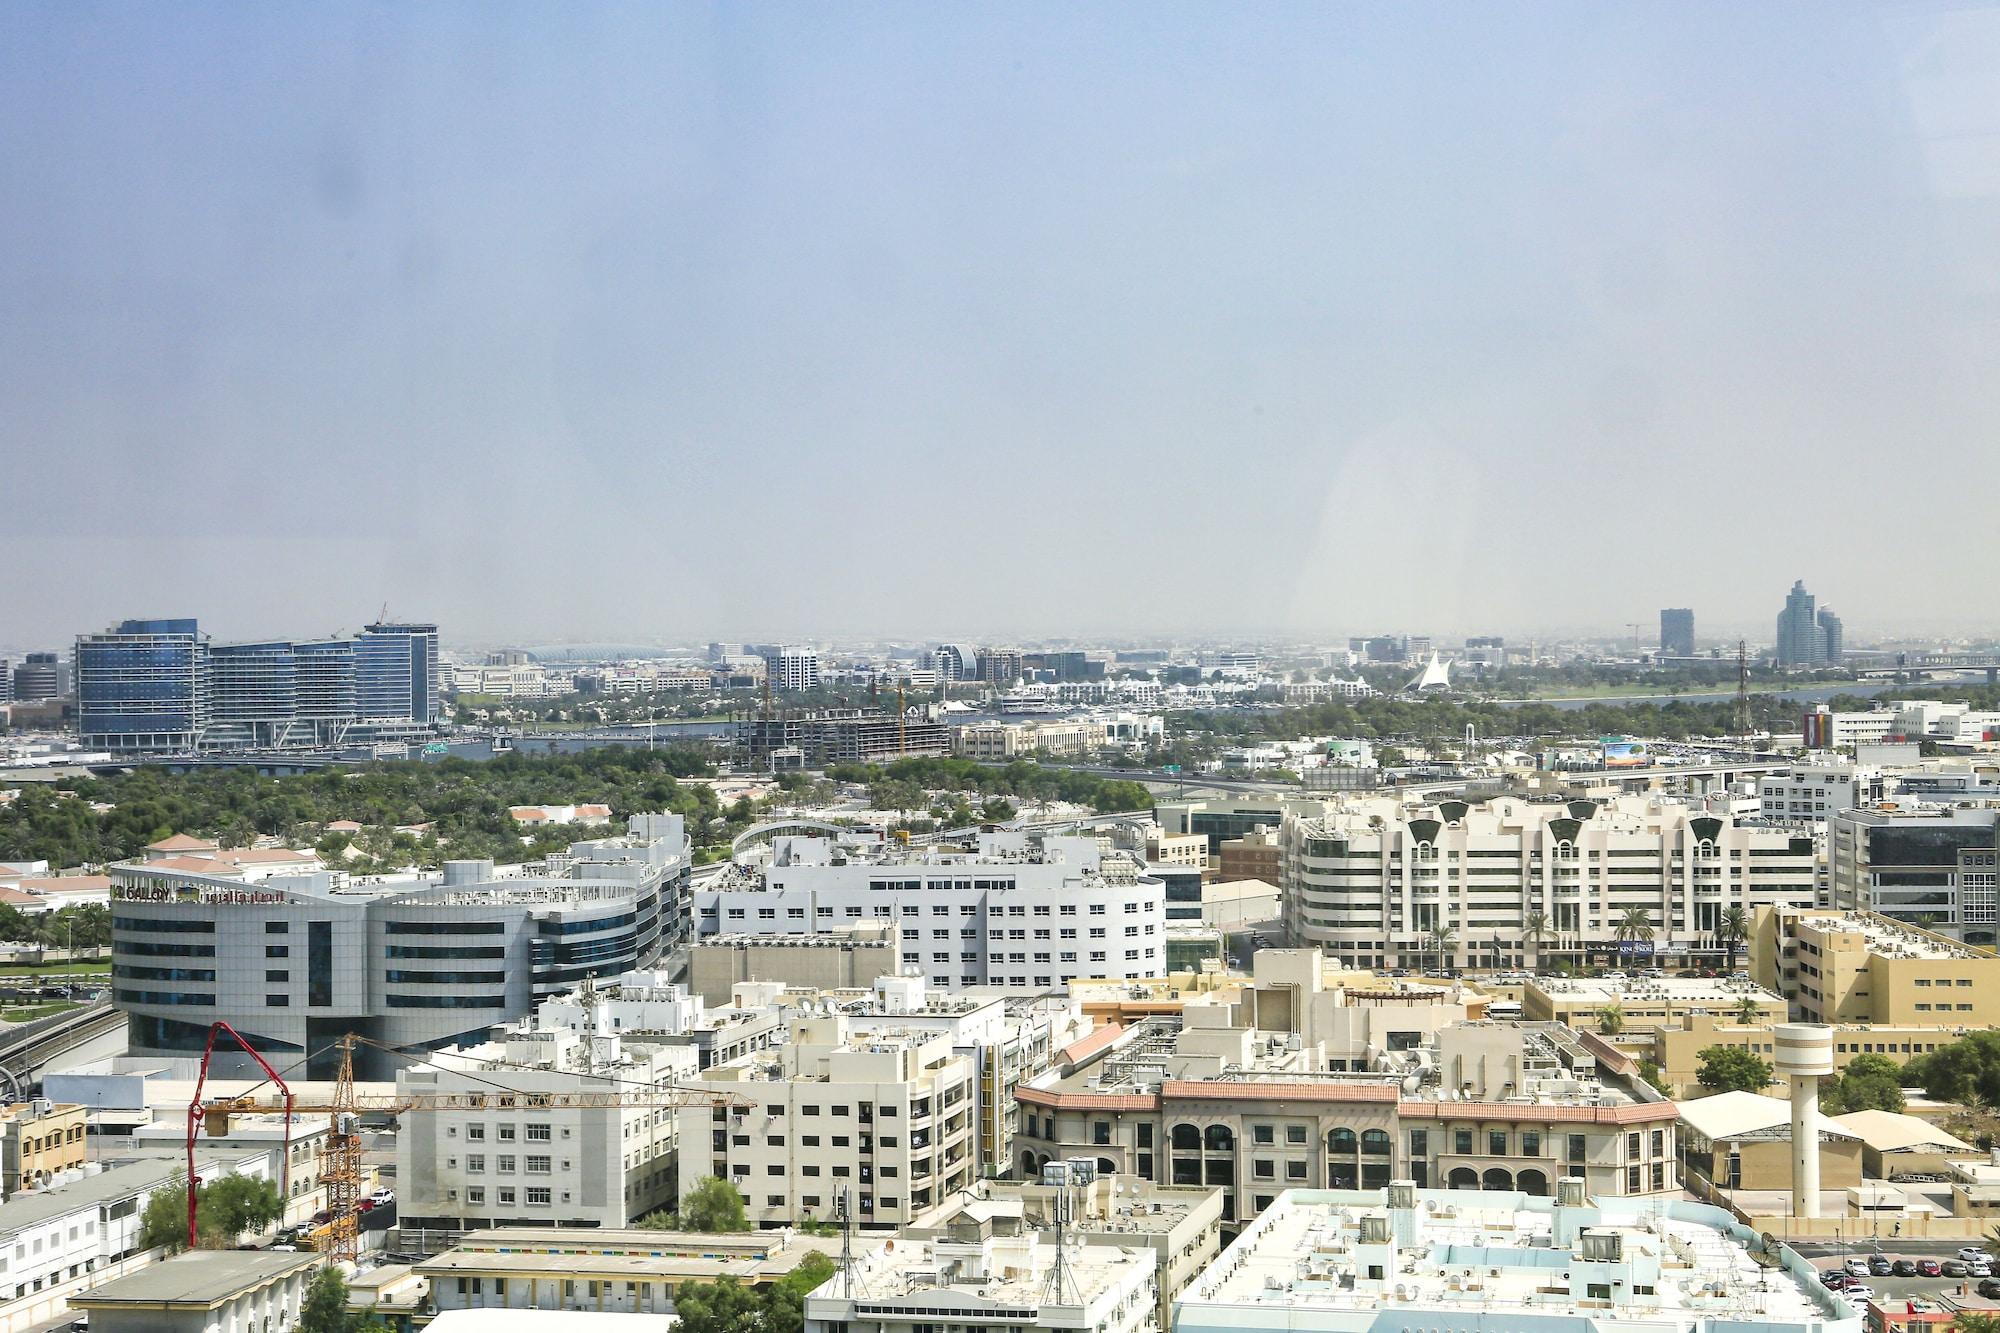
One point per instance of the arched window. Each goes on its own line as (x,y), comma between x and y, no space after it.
(1341,1142)
(1027,1166)
(1219,1138)
(1497,1179)
(1375,1142)
(1532,1182)
(1106,1167)
(1705,849)
(1425,851)
(1565,851)
(1187,1138)
(1462,1178)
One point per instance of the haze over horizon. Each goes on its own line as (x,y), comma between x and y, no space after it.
(624,322)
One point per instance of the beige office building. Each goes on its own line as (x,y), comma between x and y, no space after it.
(1851,966)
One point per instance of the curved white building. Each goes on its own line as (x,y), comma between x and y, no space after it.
(294,962)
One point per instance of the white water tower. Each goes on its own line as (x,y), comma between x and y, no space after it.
(1803,1053)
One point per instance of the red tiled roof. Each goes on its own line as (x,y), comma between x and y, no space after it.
(180,842)
(1084,1047)
(66,884)
(1229,1090)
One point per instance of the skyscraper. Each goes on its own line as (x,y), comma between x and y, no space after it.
(1830,636)
(159,686)
(1807,636)
(142,687)
(396,673)
(1677,632)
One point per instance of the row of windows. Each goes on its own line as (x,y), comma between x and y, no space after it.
(161,949)
(136,973)
(396,1001)
(445,927)
(446,978)
(164,925)
(454,952)
(161,997)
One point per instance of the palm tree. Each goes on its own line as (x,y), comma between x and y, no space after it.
(1747,1012)
(1634,925)
(1733,929)
(1535,931)
(1611,1019)
(1442,938)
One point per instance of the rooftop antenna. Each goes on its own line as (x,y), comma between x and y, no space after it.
(1061,1288)
(850,1279)
(1742,689)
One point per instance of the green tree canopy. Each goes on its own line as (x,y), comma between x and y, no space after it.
(225,1208)
(324,1309)
(722,1306)
(1732,1069)
(1966,1071)
(1869,1083)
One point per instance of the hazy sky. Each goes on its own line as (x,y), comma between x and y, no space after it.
(777,320)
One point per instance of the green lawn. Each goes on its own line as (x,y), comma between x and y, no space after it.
(27,1013)
(97,966)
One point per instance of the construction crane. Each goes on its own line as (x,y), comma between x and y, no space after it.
(340,1155)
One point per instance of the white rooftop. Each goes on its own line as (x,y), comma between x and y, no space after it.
(1664,1263)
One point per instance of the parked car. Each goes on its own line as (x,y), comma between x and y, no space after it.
(1955,1268)
(1971,1253)
(1833,1279)
(1903,1268)
(1978,1268)
(1879,1265)
(364,1205)
(1990,1289)
(1858,1293)
(1927,1268)
(1856,1266)
(385,1195)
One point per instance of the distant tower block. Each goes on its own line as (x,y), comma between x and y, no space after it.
(1803,1053)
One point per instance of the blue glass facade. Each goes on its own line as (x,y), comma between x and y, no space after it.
(159,687)
(142,686)
(396,672)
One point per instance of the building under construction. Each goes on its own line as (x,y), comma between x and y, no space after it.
(776,740)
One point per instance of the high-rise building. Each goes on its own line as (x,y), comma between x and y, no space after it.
(1807,635)
(159,686)
(792,668)
(953,661)
(1830,636)
(396,673)
(1677,632)
(142,686)
(40,676)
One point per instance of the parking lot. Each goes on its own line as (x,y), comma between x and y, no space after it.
(1961,1292)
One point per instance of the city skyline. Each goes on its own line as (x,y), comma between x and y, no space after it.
(1332,292)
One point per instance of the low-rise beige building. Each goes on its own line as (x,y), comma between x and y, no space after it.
(1743,1141)
(1677,1050)
(1840,966)
(1647,1002)
(848,956)
(39,1140)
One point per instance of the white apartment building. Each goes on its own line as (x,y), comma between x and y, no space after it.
(1372,880)
(1351,1261)
(662,1012)
(294,961)
(981,1280)
(558,1166)
(1022,911)
(793,669)
(1814,792)
(887,1114)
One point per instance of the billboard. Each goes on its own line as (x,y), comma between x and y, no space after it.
(1625,754)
